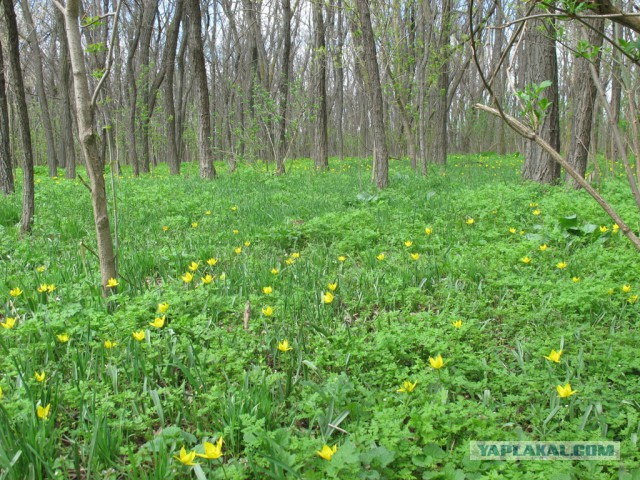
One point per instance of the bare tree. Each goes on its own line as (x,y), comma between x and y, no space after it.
(320,151)
(28,202)
(6,172)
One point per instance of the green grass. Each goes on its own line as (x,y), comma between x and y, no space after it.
(125,412)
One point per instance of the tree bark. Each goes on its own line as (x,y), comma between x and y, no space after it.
(541,64)
(320,144)
(7,185)
(441,111)
(13,47)
(89,143)
(66,122)
(584,97)
(207,170)
(284,86)
(169,100)
(372,84)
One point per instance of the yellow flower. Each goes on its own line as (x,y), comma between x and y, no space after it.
(283,346)
(15,292)
(212,261)
(428,231)
(437,362)
(63,338)
(457,323)
(238,250)
(163,307)
(43,412)
(342,258)
(40,376)
(543,247)
(194,224)
(186,458)
(158,322)
(575,279)
(9,323)
(289,261)
(626,288)
(139,336)
(565,391)
(108,344)
(295,255)
(561,265)
(187,277)
(415,256)
(407,387)
(235,232)
(327,297)
(165,228)
(267,311)
(333,286)
(554,356)
(380,256)
(632,299)
(208,212)
(521,232)
(611,291)
(207,279)
(223,276)
(112,283)
(41,269)
(526,260)
(604,228)
(193,266)
(51,287)
(513,230)
(408,243)
(267,290)
(536,212)
(615,228)
(533,205)
(327,452)
(470,221)
(211,451)
(275,271)
(43,288)
(234,208)
(247,243)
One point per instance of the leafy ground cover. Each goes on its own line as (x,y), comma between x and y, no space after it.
(349,297)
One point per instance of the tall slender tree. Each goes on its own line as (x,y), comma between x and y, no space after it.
(320,150)
(6,172)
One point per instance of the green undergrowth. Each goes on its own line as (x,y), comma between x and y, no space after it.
(462,244)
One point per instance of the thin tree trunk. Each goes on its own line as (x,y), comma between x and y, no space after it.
(441,110)
(28,202)
(320,144)
(340,83)
(372,84)
(207,170)
(169,99)
(89,144)
(36,57)
(284,86)
(66,125)
(6,172)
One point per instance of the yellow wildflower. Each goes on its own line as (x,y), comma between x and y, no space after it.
(333,286)
(211,451)
(342,258)
(380,256)
(247,243)
(108,344)
(238,250)
(604,228)
(15,292)
(565,391)
(295,255)
(554,356)
(632,299)
(470,221)
(408,243)
(43,288)
(615,228)
(407,387)
(139,336)
(513,230)
(193,266)
(43,412)
(9,323)
(165,228)
(158,322)
(234,208)
(41,269)
(163,307)
(275,271)
(575,279)
(235,232)
(536,212)
(283,346)
(50,288)
(437,362)
(194,224)
(208,212)
(186,458)
(212,261)
(289,261)
(112,283)
(428,231)
(415,256)
(457,323)
(187,277)
(327,452)
(267,311)
(267,290)
(561,265)
(207,279)
(626,288)
(327,297)
(63,338)
(40,376)
(526,260)
(543,247)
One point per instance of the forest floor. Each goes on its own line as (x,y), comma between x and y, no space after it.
(367,288)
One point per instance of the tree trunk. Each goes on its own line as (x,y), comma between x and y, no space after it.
(13,48)
(132,92)
(36,57)
(169,100)
(320,144)
(66,122)
(372,84)
(441,107)
(339,69)
(584,97)
(6,172)
(540,65)
(207,170)
(150,7)
(89,143)
(284,86)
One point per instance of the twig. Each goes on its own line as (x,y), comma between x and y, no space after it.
(109,55)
